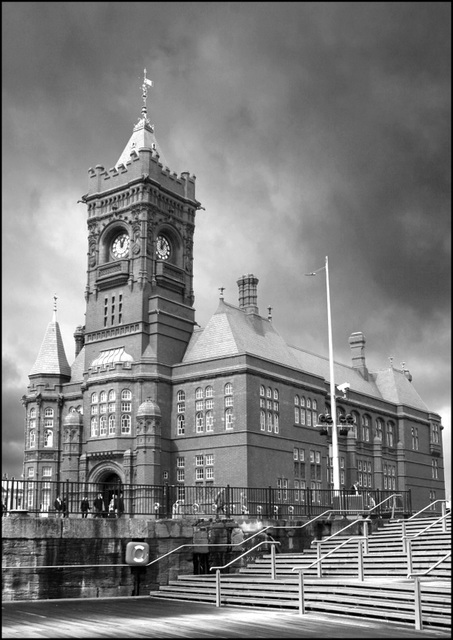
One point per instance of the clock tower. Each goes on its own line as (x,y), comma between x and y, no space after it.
(139,304)
(141,220)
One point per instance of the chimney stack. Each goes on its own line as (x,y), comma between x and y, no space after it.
(248,293)
(357,343)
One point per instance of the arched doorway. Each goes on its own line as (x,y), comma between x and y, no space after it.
(110,486)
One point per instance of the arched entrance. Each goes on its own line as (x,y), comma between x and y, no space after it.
(110,486)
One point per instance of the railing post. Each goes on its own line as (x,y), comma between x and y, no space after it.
(318,554)
(273,571)
(366,534)
(418,604)
(301,594)
(217,588)
(403,536)
(409,557)
(444,519)
(360,558)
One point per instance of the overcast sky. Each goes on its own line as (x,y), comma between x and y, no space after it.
(313,129)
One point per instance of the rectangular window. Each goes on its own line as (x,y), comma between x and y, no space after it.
(295,454)
(46,472)
(199,474)
(229,401)
(435,469)
(180,475)
(209,459)
(126,406)
(199,461)
(209,473)
(209,405)
(120,308)
(302,455)
(180,463)
(31,472)
(318,457)
(181,407)
(199,405)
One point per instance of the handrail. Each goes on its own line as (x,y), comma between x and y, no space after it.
(425,573)
(394,495)
(273,542)
(441,518)
(329,553)
(340,530)
(428,507)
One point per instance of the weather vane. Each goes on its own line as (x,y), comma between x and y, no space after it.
(146,83)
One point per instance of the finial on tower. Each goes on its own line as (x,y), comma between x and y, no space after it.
(391,361)
(55,307)
(269,314)
(221,289)
(146,83)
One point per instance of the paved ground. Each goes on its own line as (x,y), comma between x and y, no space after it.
(145,617)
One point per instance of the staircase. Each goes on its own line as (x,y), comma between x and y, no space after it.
(385,593)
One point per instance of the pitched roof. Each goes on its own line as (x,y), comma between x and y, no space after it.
(142,138)
(52,359)
(232,331)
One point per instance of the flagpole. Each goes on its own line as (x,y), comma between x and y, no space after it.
(333,408)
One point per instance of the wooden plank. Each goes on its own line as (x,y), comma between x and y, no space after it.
(145,617)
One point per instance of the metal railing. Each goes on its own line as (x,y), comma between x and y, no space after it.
(37,497)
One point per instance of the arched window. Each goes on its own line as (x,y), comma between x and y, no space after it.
(94,427)
(103,396)
(262,390)
(262,420)
(199,422)
(302,401)
(390,434)
(275,394)
(112,395)
(379,428)
(366,421)
(296,409)
(33,412)
(198,393)
(181,396)
(94,398)
(308,403)
(315,405)
(209,392)
(48,438)
(209,421)
(126,394)
(276,423)
(103,425)
(269,392)
(112,424)
(49,412)
(269,421)
(125,424)
(228,418)
(228,389)
(32,438)
(355,428)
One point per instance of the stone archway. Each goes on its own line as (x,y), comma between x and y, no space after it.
(108,477)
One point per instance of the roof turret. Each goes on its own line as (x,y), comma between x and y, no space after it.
(52,359)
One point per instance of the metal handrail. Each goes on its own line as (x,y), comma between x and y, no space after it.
(394,495)
(443,502)
(442,518)
(319,560)
(272,542)
(425,573)
(341,530)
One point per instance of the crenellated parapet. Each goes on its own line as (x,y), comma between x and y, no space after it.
(144,164)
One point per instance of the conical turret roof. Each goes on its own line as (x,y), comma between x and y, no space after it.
(52,359)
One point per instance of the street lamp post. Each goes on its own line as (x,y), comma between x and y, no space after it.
(333,407)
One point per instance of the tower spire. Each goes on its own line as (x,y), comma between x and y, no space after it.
(146,83)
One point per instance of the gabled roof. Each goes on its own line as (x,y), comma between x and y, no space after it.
(52,359)
(232,331)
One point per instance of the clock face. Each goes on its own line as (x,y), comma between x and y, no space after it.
(120,246)
(163,249)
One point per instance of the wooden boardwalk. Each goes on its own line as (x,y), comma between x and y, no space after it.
(146,617)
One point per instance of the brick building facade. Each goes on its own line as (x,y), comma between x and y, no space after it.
(151,397)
